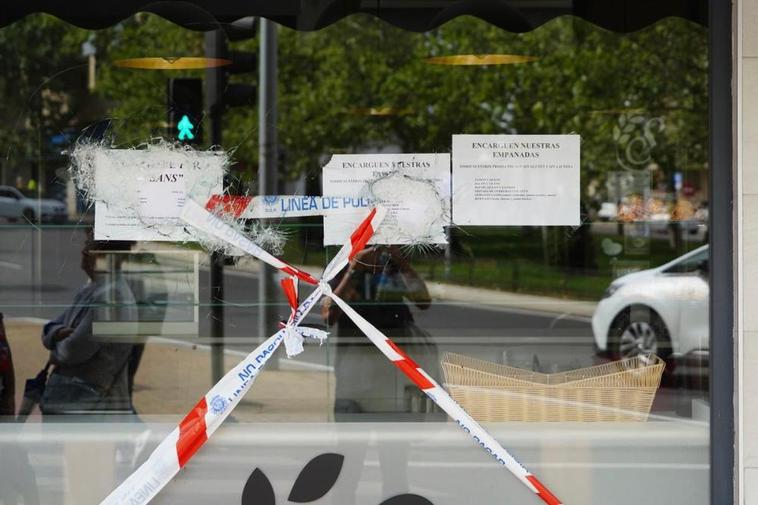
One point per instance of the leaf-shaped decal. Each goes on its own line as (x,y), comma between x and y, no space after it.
(258,490)
(637,120)
(406,499)
(316,478)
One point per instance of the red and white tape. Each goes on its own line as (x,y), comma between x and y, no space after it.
(208,414)
(194,430)
(439,396)
(148,481)
(284,206)
(195,215)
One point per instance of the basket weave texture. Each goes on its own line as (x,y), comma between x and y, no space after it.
(617,391)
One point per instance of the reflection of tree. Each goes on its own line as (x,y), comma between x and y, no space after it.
(43,81)
(585,80)
(41,86)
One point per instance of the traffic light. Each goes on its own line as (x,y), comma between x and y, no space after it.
(185,110)
(219,92)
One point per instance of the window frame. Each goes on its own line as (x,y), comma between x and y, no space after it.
(722,250)
(721,253)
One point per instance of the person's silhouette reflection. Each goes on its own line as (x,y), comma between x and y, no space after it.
(377,283)
(90,373)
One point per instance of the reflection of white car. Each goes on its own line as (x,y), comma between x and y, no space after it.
(663,310)
(607,211)
(14,206)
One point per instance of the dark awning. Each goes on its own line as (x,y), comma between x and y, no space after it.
(415,15)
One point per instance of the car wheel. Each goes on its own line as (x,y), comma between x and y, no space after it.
(639,331)
(29,216)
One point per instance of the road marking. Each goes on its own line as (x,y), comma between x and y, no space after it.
(516,310)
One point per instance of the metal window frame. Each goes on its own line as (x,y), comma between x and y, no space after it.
(721,230)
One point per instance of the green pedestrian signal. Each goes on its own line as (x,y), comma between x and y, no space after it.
(184,104)
(185,128)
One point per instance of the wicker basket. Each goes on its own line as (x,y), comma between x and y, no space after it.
(617,391)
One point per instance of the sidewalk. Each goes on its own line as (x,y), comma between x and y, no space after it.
(503,299)
(173,376)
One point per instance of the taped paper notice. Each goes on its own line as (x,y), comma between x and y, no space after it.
(139,194)
(516,180)
(415,189)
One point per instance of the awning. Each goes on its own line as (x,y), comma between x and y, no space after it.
(414,15)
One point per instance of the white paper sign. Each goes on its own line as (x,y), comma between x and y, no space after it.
(415,189)
(516,180)
(140,194)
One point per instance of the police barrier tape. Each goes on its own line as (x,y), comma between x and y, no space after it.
(402,361)
(426,383)
(197,216)
(196,427)
(209,413)
(439,396)
(283,206)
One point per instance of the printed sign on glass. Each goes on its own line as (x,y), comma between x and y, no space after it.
(516,180)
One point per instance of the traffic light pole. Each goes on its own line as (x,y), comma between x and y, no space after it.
(267,160)
(214,43)
(220,94)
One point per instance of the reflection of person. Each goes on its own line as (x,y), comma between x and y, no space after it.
(7,375)
(377,284)
(91,374)
(18,483)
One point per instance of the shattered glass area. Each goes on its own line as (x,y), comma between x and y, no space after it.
(138,192)
(426,211)
(414,187)
(271,237)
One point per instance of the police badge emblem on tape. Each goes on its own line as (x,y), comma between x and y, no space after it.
(219,404)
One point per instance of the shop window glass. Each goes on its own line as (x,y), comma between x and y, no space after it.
(123,327)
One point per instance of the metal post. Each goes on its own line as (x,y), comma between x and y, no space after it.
(267,170)
(721,224)
(215,43)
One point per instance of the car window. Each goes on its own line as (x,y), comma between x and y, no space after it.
(688,265)
(6,193)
